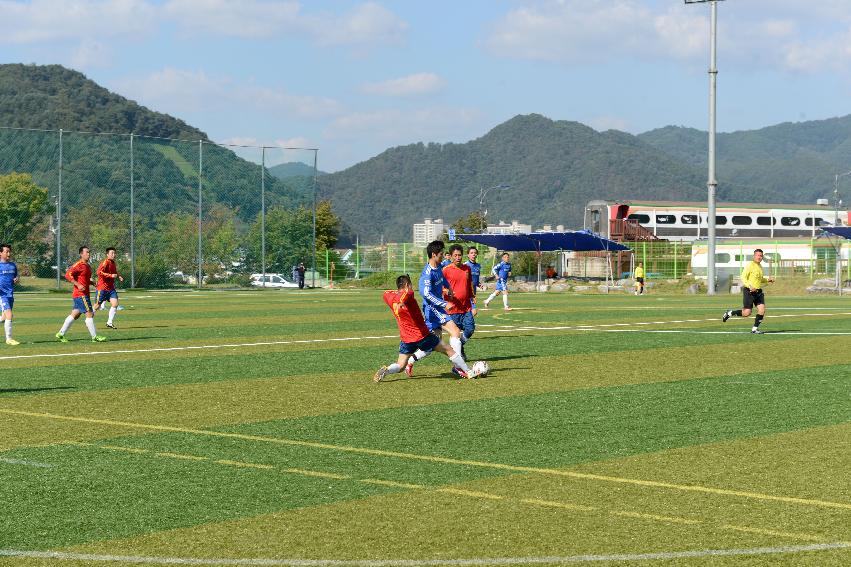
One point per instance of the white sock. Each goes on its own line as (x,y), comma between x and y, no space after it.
(418,355)
(505,300)
(90,324)
(69,320)
(112,311)
(455,343)
(394,369)
(459,362)
(8,325)
(490,298)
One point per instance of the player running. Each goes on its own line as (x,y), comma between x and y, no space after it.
(752,282)
(414,334)
(105,290)
(8,279)
(475,267)
(502,271)
(80,274)
(461,306)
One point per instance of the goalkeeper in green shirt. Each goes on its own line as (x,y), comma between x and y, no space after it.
(752,282)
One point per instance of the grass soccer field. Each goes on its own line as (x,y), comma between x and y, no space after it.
(243,428)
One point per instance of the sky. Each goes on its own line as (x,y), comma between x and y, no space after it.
(354,78)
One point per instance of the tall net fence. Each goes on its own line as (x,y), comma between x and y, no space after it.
(177,211)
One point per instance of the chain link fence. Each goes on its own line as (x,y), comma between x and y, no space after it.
(178,212)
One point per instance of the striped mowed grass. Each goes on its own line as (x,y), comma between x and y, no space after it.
(244,428)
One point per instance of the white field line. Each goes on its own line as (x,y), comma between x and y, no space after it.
(26,463)
(499,329)
(611,558)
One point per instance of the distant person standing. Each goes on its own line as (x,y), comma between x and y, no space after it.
(639,278)
(8,279)
(752,281)
(80,274)
(502,271)
(300,275)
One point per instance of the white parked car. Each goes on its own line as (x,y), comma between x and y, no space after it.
(271,280)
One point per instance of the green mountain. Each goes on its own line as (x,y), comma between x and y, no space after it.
(36,101)
(293,169)
(554,168)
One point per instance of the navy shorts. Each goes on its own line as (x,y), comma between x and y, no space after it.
(501,284)
(466,322)
(83,304)
(435,317)
(105,295)
(426,345)
(6,302)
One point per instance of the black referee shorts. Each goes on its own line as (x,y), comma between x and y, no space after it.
(749,298)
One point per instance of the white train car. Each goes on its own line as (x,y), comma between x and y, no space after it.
(687,221)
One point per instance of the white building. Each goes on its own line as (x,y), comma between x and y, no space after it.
(428,230)
(504,228)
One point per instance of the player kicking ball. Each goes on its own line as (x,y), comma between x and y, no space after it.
(416,336)
(80,274)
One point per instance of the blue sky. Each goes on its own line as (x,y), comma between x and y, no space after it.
(354,78)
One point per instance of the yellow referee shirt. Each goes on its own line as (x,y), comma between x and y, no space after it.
(639,272)
(752,276)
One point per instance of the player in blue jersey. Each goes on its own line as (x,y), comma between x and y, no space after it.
(475,267)
(432,285)
(501,271)
(446,260)
(8,279)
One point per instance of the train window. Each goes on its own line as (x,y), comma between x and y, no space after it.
(642,219)
(688,219)
(819,222)
(666,219)
(722,258)
(790,221)
(740,257)
(766,221)
(720,220)
(742,220)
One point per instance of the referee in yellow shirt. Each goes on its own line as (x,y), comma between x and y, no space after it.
(752,282)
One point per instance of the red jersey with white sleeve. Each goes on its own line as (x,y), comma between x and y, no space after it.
(409,317)
(460,280)
(107,272)
(81,273)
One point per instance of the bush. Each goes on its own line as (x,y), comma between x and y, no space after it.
(152,273)
(378,280)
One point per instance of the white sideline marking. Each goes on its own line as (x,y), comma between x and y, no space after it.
(26,463)
(617,557)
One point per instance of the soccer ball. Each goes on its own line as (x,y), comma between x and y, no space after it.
(481,368)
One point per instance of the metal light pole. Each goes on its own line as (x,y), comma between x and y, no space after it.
(315,174)
(836,203)
(482,194)
(712,182)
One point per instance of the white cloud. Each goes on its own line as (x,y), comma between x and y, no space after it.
(180,91)
(393,127)
(603,123)
(291,143)
(90,53)
(416,84)
(368,23)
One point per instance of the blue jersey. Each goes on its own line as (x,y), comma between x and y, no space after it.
(8,273)
(445,263)
(431,286)
(475,271)
(501,270)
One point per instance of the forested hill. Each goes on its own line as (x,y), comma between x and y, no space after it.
(96,166)
(53,97)
(554,168)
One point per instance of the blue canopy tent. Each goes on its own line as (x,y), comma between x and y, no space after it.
(843,231)
(576,241)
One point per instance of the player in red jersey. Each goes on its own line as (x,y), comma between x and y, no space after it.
(461,306)
(413,331)
(107,274)
(80,274)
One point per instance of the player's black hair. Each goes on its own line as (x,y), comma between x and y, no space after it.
(403,281)
(455,247)
(472,248)
(504,254)
(758,250)
(4,246)
(434,247)
(82,248)
(110,248)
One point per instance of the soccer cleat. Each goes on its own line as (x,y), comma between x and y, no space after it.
(409,370)
(61,338)
(380,374)
(725,316)
(459,373)
(111,326)
(486,304)
(102,306)
(12,342)
(756,331)
(98,339)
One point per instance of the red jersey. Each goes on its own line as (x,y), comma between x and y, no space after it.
(460,280)
(81,273)
(412,327)
(106,275)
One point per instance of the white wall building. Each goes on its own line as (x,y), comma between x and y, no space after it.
(428,230)
(504,228)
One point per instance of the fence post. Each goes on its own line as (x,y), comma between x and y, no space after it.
(675,259)
(404,257)
(59,217)
(263,213)
(132,220)
(389,251)
(327,269)
(200,173)
(812,258)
